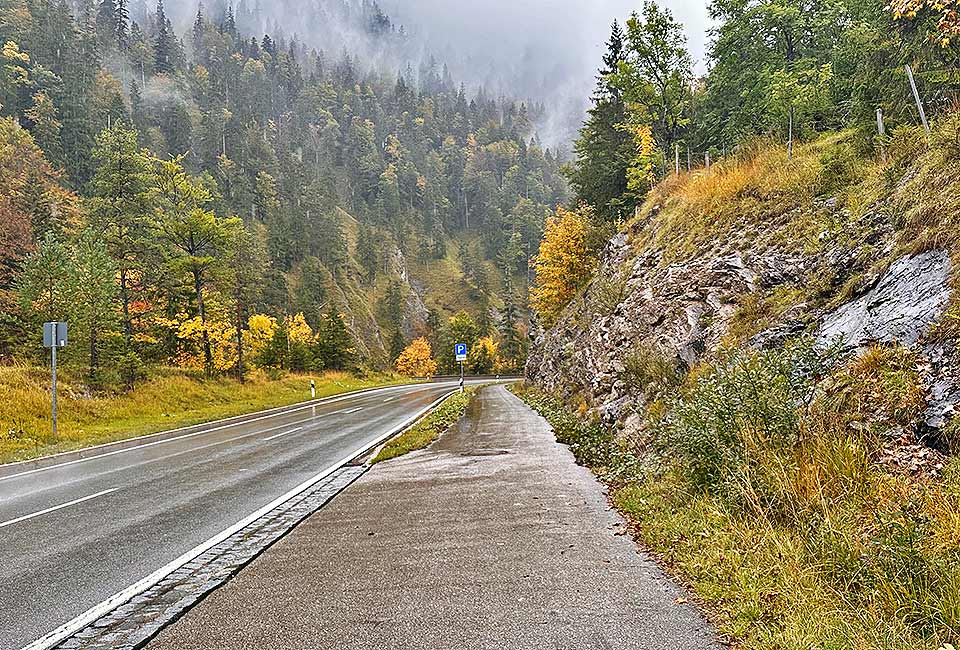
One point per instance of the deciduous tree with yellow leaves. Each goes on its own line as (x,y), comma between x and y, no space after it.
(940,19)
(484,356)
(417,360)
(564,263)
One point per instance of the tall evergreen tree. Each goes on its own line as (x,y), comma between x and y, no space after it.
(107,23)
(93,288)
(123,24)
(164,47)
(605,147)
(121,214)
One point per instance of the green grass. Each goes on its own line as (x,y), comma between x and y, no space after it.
(167,400)
(429,429)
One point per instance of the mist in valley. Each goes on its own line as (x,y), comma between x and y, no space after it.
(543,52)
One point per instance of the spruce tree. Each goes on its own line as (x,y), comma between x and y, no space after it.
(164,45)
(107,20)
(199,27)
(123,24)
(605,148)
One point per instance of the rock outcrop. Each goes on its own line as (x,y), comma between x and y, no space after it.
(900,308)
(684,311)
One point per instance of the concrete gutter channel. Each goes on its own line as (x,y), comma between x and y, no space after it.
(132,618)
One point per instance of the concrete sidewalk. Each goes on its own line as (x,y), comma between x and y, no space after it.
(492,538)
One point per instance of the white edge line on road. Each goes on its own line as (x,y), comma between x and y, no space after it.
(55,508)
(66,630)
(285,433)
(271,414)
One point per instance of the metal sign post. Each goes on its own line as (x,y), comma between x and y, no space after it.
(54,337)
(461,352)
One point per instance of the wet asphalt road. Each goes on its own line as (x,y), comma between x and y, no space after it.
(72,535)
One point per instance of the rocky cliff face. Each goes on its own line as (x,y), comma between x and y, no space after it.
(754,291)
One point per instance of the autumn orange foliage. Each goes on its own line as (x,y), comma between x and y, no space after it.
(417,360)
(564,263)
(945,12)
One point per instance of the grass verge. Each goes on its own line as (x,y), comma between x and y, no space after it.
(429,429)
(168,400)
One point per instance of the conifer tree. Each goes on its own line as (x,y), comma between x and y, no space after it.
(123,24)
(107,23)
(605,147)
(121,213)
(93,289)
(164,43)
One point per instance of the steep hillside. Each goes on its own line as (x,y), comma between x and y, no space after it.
(766,367)
(228,172)
(762,249)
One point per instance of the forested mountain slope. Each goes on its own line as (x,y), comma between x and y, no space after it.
(232,181)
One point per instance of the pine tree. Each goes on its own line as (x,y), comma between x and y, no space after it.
(194,238)
(93,289)
(120,213)
(605,148)
(44,284)
(164,44)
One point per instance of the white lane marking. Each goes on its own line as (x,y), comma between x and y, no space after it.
(65,631)
(285,433)
(325,401)
(55,508)
(389,399)
(348,411)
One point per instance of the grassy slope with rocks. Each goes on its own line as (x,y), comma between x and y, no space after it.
(169,399)
(800,489)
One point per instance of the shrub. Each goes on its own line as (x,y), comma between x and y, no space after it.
(841,167)
(946,137)
(904,145)
(724,426)
(880,387)
(608,292)
(592,444)
(649,369)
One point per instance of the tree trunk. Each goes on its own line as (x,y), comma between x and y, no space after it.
(125,299)
(201,310)
(94,355)
(240,375)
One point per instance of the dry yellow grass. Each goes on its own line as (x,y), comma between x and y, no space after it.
(758,192)
(170,399)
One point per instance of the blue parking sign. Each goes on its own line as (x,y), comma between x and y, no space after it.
(461,351)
